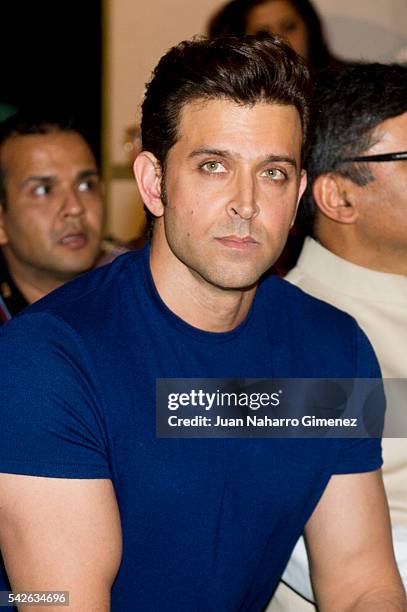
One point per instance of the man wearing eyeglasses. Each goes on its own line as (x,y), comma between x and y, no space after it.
(355,255)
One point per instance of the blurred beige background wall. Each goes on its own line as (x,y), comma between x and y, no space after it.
(136,34)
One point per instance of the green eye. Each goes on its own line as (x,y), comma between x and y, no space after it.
(213,167)
(275,174)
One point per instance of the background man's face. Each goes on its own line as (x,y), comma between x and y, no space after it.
(52,223)
(232,186)
(383,202)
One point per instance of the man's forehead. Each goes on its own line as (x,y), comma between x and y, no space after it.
(212,120)
(391,132)
(221,105)
(21,152)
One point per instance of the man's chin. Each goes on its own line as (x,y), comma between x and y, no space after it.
(71,268)
(228,281)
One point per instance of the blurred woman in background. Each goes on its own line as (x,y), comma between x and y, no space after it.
(294,20)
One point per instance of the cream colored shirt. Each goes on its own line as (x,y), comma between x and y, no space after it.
(378,302)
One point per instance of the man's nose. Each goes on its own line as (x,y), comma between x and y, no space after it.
(243,202)
(72,202)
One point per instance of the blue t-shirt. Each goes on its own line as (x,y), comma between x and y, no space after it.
(208,524)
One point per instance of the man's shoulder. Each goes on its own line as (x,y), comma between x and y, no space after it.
(94,292)
(323,340)
(301,304)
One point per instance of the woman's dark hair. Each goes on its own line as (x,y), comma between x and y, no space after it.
(232,18)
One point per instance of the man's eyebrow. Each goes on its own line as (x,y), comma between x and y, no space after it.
(53,178)
(87,173)
(282,158)
(217,152)
(39,178)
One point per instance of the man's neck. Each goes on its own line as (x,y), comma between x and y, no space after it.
(33,290)
(32,285)
(193,299)
(347,243)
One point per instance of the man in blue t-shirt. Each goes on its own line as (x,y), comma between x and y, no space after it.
(92,502)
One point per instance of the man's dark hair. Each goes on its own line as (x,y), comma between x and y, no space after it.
(246,70)
(232,18)
(32,122)
(349,103)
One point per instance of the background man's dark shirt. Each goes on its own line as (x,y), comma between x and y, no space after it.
(11,300)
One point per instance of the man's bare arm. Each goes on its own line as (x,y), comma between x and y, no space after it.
(351,552)
(60,534)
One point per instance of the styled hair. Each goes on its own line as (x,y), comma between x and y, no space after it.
(349,103)
(32,122)
(246,71)
(232,19)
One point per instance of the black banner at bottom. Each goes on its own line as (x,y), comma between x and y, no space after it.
(280,408)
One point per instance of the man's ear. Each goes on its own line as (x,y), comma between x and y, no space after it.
(148,174)
(333,197)
(3,233)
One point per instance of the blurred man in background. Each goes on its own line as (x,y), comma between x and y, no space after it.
(355,257)
(51,208)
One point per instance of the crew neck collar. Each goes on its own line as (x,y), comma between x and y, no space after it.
(175,320)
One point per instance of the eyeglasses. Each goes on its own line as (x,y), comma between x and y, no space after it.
(382,157)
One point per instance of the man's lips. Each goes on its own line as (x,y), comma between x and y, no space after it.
(74,239)
(242,243)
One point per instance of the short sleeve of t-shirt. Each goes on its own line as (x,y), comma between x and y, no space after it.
(50,413)
(362,454)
